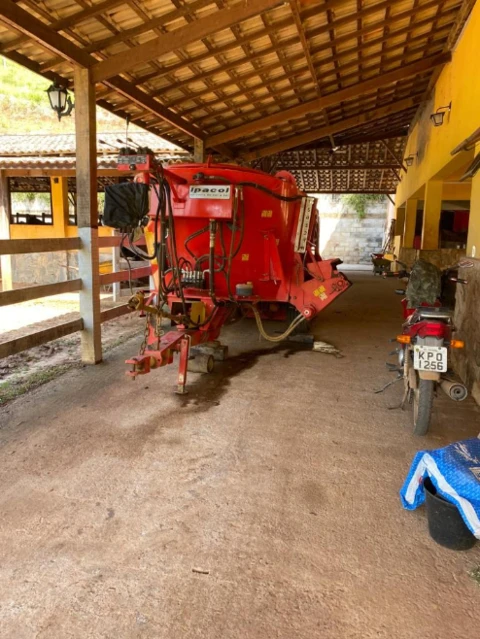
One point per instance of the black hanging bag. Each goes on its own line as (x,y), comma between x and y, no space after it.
(126,204)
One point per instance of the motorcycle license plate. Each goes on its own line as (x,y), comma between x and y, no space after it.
(430,358)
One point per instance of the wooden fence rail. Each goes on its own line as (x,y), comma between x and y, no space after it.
(123,276)
(15,346)
(19,295)
(19,247)
(20,344)
(16,296)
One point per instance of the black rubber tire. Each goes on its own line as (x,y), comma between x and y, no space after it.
(422,406)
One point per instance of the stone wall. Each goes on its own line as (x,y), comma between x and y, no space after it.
(467,322)
(344,235)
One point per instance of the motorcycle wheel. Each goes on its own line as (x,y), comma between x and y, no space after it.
(422,406)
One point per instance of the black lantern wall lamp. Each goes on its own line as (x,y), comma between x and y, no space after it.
(439,115)
(60,100)
(410,159)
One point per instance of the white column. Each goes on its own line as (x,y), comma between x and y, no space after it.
(5,260)
(87,215)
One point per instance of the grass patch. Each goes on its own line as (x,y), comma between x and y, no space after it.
(12,389)
(475,574)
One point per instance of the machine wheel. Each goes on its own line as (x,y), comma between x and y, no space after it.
(201,363)
(422,406)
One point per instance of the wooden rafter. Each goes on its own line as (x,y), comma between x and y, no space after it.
(317,134)
(19,19)
(352,65)
(23,21)
(330,100)
(272,63)
(315,50)
(180,37)
(65,23)
(306,49)
(273,66)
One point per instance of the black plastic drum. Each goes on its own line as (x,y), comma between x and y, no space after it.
(445,523)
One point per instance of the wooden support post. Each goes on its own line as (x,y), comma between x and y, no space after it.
(410,223)
(5,260)
(431,215)
(198,151)
(87,215)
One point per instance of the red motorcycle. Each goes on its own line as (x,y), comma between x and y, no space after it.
(427,338)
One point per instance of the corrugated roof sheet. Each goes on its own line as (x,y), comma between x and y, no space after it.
(37,145)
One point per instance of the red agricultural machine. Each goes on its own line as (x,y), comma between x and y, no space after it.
(223,241)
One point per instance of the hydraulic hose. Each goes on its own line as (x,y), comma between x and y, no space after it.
(278,338)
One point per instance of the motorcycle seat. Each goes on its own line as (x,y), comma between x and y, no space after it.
(433,312)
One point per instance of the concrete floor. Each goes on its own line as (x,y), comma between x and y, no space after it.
(278,476)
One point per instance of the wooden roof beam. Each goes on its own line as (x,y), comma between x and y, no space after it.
(20,20)
(291,166)
(181,37)
(285,24)
(322,132)
(314,50)
(306,50)
(389,151)
(149,25)
(191,8)
(353,64)
(330,100)
(72,20)
(293,58)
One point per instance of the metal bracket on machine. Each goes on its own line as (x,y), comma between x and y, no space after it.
(303,226)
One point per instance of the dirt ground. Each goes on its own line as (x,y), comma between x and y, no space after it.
(262,505)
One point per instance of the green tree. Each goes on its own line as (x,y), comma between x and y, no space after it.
(359,202)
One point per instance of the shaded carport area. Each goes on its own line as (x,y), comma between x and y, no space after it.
(244,81)
(264,504)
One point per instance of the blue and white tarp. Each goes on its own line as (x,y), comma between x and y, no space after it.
(455,473)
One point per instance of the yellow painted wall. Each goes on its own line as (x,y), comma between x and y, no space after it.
(459,84)
(33,231)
